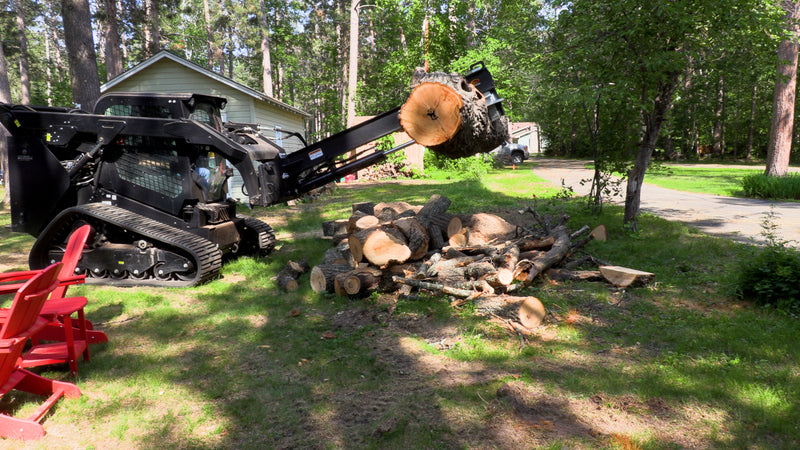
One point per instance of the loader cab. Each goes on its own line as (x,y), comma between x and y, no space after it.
(203,108)
(167,174)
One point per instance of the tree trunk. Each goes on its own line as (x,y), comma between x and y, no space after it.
(266,60)
(717,143)
(780,135)
(153,26)
(5,97)
(653,121)
(352,71)
(24,73)
(752,127)
(112,44)
(210,45)
(78,38)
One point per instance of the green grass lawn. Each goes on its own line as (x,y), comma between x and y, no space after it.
(236,363)
(717,181)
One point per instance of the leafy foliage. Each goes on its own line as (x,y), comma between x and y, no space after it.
(770,277)
(762,186)
(467,168)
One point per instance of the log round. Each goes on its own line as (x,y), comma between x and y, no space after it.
(432,114)
(449,116)
(385,244)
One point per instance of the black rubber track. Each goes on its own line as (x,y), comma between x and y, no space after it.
(266,236)
(204,253)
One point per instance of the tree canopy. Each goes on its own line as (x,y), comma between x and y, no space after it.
(614,79)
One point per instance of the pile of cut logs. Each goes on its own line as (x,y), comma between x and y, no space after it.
(397,247)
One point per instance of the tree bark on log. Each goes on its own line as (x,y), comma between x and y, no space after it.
(383,245)
(334,227)
(324,275)
(527,270)
(287,278)
(367,208)
(416,236)
(449,116)
(528,311)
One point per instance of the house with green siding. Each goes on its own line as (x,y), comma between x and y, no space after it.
(168,73)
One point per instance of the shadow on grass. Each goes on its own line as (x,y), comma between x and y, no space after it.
(237,363)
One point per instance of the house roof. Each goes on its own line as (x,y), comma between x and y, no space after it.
(163,54)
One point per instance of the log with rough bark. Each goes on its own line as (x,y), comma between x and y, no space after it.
(436,287)
(485,228)
(367,208)
(449,116)
(380,245)
(358,282)
(574,275)
(527,311)
(287,278)
(527,270)
(323,276)
(624,277)
(528,244)
(334,227)
(361,221)
(416,235)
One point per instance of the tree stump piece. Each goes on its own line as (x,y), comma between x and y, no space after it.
(324,275)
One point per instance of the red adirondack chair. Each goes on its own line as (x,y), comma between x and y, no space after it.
(58,304)
(23,321)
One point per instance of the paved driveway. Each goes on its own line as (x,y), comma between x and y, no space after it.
(736,218)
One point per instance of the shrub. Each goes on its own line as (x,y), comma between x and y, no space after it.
(761,186)
(469,167)
(770,277)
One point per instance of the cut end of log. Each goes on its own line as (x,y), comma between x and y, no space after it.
(431,115)
(624,277)
(531,312)
(600,233)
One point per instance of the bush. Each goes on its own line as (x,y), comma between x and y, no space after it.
(469,167)
(762,186)
(770,277)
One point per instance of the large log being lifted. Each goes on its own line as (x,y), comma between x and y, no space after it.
(449,116)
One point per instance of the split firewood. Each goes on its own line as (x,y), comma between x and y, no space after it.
(528,311)
(287,278)
(624,277)
(450,116)
(334,227)
(323,276)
